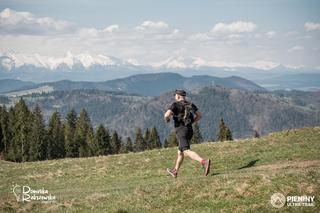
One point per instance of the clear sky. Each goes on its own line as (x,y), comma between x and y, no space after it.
(226,32)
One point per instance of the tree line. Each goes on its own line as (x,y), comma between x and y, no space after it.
(24,136)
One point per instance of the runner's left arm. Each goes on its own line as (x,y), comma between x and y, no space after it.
(198,116)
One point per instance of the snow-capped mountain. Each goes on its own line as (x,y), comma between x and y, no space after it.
(89,67)
(11,61)
(78,67)
(197,62)
(180,63)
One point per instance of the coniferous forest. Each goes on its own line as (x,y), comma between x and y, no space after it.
(24,136)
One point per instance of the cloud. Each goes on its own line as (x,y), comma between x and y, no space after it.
(98,33)
(263,64)
(152,26)
(111,28)
(88,32)
(227,33)
(234,27)
(295,48)
(133,61)
(200,37)
(234,36)
(271,34)
(171,35)
(159,30)
(222,44)
(11,17)
(13,22)
(310,26)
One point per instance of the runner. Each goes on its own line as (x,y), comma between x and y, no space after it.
(184,115)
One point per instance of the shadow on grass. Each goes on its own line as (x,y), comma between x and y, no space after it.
(215,173)
(250,164)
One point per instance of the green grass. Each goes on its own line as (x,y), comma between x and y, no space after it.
(286,162)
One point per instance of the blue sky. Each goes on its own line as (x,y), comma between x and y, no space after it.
(217,33)
(186,14)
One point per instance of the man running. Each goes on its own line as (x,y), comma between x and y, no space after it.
(184,114)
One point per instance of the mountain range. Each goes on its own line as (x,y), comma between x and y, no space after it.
(10,61)
(143,84)
(87,67)
(244,111)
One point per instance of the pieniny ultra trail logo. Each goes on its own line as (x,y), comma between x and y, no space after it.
(27,194)
(278,200)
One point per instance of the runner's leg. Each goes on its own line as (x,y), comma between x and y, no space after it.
(193,155)
(179,160)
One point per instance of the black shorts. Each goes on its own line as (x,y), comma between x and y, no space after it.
(184,135)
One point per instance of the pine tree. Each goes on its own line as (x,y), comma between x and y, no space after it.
(6,133)
(197,137)
(83,126)
(115,143)
(123,147)
(229,135)
(22,129)
(155,139)
(147,139)
(102,142)
(1,131)
(69,132)
(9,143)
(224,132)
(165,143)
(139,144)
(256,134)
(1,139)
(129,145)
(173,141)
(56,144)
(90,139)
(38,135)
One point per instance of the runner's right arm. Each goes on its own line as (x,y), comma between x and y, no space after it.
(168,115)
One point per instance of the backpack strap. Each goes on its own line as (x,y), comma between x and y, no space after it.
(187,113)
(184,116)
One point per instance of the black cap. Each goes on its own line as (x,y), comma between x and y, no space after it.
(180,92)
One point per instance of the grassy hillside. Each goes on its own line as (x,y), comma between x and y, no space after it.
(244,176)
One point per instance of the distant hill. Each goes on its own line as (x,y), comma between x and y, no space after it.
(305,82)
(7,85)
(243,111)
(148,84)
(244,176)
(156,84)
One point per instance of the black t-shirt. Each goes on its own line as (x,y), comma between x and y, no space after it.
(178,109)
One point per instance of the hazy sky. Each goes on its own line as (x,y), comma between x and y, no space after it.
(226,32)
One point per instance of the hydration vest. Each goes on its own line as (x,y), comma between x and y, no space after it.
(186,115)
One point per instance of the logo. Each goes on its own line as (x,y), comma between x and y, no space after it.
(278,200)
(17,191)
(27,194)
(300,200)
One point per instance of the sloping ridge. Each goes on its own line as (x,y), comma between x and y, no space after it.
(152,84)
(244,176)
